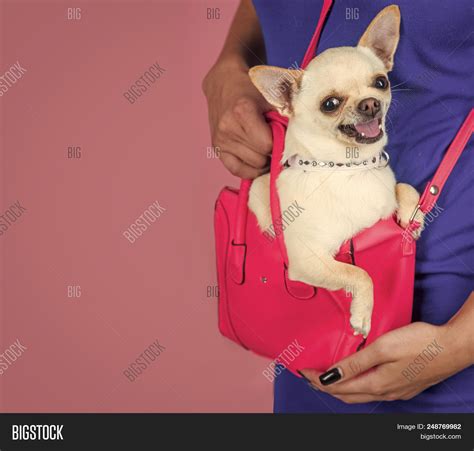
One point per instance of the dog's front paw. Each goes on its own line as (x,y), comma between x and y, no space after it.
(420,219)
(361,321)
(407,199)
(404,216)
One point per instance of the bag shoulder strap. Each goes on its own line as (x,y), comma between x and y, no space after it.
(435,186)
(311,51)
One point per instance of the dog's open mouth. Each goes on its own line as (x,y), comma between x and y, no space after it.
(364,132)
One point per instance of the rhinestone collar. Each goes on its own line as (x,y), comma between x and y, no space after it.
(312,164)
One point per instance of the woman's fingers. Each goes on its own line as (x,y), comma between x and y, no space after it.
(350,367)
(254,130)
(239,168)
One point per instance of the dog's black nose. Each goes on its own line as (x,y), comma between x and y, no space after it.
(369,107)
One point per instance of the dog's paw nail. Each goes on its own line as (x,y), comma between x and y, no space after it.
(360,323)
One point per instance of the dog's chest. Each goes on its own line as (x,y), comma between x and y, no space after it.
(366,195)
(340,203)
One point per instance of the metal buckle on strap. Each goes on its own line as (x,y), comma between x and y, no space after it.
(412,217)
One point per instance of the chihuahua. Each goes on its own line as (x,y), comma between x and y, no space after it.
(335,164)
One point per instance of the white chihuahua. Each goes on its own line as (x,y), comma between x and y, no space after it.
(337,169)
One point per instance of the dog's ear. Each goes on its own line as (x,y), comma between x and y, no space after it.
(277,85)
(382,34)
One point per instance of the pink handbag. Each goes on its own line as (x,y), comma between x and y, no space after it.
(295,324)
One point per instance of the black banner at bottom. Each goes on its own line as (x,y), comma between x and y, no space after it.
(175,431)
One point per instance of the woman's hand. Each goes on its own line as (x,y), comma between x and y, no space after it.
(239,132)
(398,365)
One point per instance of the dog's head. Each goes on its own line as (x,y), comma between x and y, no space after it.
(342,97)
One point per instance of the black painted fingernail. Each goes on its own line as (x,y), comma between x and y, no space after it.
(331,376)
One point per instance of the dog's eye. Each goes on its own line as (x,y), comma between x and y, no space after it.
(330,104)
(381,83)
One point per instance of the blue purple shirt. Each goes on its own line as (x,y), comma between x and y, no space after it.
(433,84)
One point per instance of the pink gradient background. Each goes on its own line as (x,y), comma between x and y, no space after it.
(71,234)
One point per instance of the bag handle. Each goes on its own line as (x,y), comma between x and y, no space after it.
(272,116)
(278,125)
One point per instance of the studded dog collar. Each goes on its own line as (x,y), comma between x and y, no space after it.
(312,164)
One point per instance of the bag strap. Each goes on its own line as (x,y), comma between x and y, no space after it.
(278,124)
(273,116)
(311,51)
(435,186)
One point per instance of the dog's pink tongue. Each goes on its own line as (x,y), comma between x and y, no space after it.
(369,129)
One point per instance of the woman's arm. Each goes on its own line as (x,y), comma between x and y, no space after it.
(239,132)
(460,331)
(244,43)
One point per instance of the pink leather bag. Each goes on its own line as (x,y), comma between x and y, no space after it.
(296,324)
